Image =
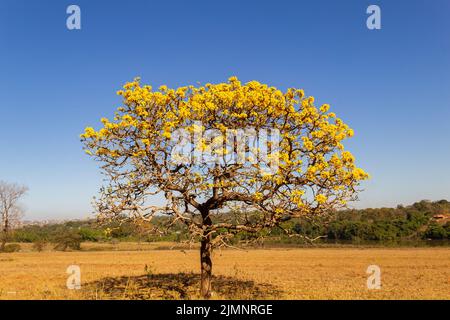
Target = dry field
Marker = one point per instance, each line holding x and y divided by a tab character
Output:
153	271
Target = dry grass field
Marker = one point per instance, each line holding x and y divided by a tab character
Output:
153	271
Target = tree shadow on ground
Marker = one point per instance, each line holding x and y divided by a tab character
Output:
177	286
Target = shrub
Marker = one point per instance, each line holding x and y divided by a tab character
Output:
436	231
24	236
13	247
70	240
39	245
88	234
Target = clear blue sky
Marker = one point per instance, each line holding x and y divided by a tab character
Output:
391	85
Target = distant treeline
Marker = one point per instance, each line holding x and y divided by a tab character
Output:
421	221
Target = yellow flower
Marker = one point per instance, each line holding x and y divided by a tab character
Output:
350	133
89	132
297	192
325	174
321	198
324	108
347	157
307	143
359	174
127	118
258	196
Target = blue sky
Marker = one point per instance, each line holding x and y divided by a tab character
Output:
391	85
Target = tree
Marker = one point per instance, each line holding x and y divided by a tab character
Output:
228	158
10	194
69	239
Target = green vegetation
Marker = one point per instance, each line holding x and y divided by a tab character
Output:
70	232
411	223
415	222
70	239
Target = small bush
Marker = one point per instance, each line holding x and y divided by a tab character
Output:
13	247
69	240
39	245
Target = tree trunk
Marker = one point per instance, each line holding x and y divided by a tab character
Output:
4	234
206	263
205	258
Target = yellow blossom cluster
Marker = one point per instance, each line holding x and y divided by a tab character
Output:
311	153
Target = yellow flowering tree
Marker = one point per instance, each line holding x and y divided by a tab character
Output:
310	172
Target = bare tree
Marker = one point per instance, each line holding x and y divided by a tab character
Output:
11	212
306	174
